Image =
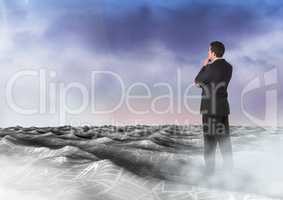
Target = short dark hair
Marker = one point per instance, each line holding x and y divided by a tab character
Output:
218	48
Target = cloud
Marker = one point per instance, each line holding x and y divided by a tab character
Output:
141	41
185	29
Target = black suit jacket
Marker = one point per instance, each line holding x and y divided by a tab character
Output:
214	79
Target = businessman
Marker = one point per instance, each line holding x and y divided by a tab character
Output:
214	78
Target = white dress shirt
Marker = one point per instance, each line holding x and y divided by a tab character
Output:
217	58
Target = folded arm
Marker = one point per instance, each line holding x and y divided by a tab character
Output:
203	77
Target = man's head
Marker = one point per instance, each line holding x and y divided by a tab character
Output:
216	50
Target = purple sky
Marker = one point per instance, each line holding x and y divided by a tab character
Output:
140	41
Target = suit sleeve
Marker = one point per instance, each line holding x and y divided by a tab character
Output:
204	76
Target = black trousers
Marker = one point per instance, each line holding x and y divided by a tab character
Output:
216	130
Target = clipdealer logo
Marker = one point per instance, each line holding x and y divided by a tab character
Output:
269	84
53	95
